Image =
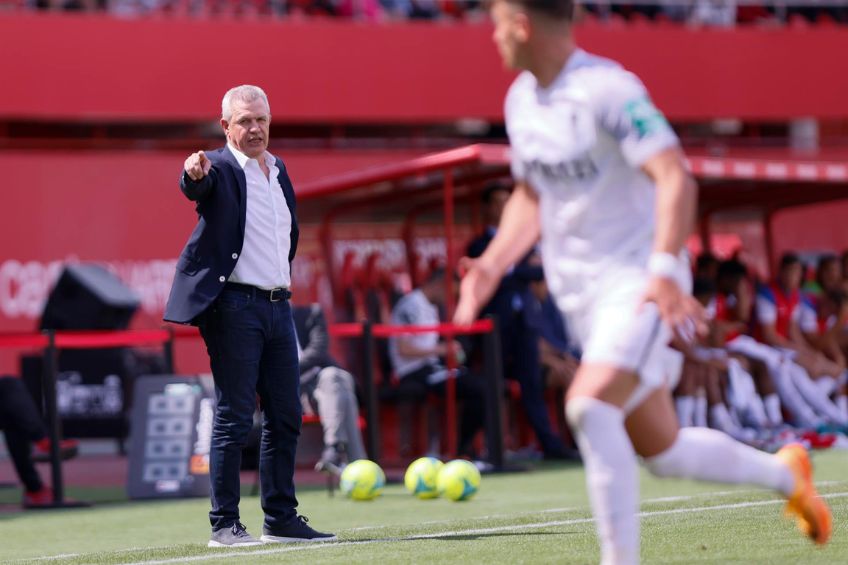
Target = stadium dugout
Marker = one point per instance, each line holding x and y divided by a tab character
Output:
440	188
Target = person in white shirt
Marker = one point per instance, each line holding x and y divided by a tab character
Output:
602	183
417	359
233	281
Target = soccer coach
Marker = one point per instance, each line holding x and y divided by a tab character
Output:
232	281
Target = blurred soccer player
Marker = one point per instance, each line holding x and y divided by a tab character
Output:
601	179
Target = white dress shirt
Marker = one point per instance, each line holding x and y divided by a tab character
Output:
264	258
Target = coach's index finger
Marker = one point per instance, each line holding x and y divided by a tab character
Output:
205	163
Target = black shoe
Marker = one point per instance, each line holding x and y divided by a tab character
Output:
233	536
296	530
562	454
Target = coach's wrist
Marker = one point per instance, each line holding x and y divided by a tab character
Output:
664	265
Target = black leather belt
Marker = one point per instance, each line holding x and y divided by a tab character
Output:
273	295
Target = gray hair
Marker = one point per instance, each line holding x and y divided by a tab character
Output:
244	93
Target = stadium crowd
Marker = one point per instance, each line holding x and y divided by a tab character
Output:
720	13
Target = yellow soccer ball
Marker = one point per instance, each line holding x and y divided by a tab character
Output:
422	476
458	480
362	480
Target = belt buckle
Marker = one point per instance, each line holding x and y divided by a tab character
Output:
278	298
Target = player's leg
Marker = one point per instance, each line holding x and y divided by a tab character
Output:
332	404
594	411
711	455
766	390
684	395
719	417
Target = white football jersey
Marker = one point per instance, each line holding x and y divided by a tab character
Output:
580	143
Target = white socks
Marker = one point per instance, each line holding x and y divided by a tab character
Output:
700	416
611	476
721	420
710	455
815	396
842	404
685	407
790	396
773	409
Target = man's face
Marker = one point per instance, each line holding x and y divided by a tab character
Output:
790	276
831	275
496	205
511	32
248	127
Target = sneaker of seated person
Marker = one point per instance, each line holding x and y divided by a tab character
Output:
297	529
232	536
332	460
42	498
68	449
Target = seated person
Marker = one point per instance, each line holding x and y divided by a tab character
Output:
327	390
716	387
518	335
23	428
558	358
784	315
417	358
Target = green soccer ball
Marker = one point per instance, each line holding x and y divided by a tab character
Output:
458	480
362	480
422	476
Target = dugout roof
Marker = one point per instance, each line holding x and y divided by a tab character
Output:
766	179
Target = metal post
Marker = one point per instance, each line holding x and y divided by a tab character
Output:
168	351
493	367
450	304
54	424
372	416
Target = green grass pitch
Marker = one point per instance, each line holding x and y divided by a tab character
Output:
534	517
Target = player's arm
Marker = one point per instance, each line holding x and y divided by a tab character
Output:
198	178
517	233
676	202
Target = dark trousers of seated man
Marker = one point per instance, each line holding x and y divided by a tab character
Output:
22	425
469	389
253	351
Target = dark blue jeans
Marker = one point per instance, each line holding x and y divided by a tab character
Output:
520	344
252	350
22	425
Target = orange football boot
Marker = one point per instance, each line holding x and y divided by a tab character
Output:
811	512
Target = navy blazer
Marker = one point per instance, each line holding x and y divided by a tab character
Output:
209	257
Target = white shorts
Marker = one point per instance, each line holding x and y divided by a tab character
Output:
614	327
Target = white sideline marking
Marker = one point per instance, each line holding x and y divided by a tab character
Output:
487	517
454	533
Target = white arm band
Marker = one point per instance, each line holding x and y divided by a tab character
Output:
664	265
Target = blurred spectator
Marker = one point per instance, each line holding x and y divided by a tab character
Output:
71	5
716	13
367	10
558	358
24	430
706	266
417	358
519	337
327	390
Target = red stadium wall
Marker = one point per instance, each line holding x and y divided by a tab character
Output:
97	68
